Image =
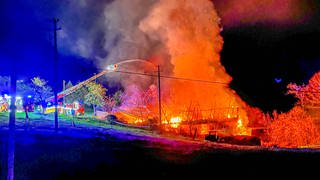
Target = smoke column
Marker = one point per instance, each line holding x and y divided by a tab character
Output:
190	31
182	36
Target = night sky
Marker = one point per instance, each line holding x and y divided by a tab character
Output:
262	53
264	56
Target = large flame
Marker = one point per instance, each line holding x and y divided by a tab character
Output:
191	32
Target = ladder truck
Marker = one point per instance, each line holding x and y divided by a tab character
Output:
62	94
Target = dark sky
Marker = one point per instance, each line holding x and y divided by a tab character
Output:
264	56
26	40
260	45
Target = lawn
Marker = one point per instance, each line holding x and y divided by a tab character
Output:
43	121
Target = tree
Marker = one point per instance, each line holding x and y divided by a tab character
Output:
292	129
109	104
256	117
118	98
41	90
96	95
308	95
137	97
77	95
69	98
113	101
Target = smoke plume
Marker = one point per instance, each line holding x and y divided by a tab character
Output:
191	32
181	36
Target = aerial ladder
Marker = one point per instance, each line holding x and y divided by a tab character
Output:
110	68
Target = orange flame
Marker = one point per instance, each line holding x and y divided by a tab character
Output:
191	31
241	129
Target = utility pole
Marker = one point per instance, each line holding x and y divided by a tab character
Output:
64	88
13	87
56	77
159	95
12	120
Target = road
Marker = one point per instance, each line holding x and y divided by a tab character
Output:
93	152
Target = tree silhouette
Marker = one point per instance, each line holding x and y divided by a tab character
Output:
308	95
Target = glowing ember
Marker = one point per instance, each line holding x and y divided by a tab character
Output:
241	129
175	122
239	124
138	121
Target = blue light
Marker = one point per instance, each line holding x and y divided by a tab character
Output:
278	80
29	96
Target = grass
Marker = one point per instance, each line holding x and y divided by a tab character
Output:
87	122
47	121
22	115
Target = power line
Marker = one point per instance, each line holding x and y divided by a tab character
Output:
172	77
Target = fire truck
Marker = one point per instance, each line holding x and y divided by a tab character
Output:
75	108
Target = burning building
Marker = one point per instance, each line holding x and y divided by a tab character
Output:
195	93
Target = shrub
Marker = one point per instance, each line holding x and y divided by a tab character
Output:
292	129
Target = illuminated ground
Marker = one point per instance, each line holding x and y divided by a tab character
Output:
88	151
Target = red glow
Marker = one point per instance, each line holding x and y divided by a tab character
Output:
246	12
191	33
293	129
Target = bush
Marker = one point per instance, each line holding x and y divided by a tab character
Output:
292	129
